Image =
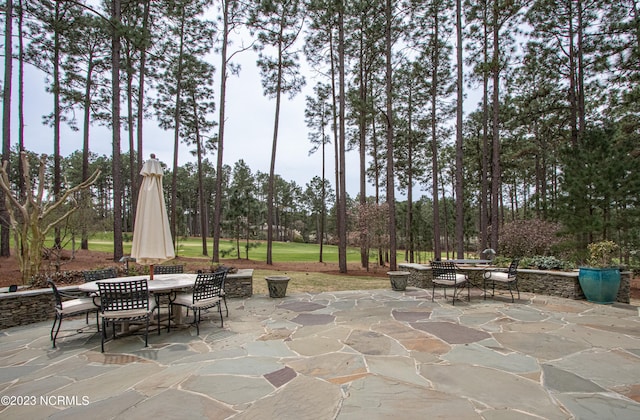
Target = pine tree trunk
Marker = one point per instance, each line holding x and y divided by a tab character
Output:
342	208
459	187
495	173
115	126
6	123
391	201
217	208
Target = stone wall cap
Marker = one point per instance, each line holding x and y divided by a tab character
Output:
415	266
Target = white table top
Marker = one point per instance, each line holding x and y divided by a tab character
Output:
160	282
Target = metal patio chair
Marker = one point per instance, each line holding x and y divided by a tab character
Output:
446	275
508	278
105	273
206	294
168	269
73	305
125	302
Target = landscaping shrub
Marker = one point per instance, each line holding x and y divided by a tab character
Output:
527	238
501	261
543	262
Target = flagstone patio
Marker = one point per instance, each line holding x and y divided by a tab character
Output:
355	354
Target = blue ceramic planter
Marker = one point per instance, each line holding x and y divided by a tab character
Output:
600	285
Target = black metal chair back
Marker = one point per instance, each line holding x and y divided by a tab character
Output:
93	275
168	269
208	285
444	270
123	295
513	267
56	294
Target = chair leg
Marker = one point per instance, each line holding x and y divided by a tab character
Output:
146	331
55	321
485	284
196	317
433	292
157	298
220	311
224	298
104	334
54	336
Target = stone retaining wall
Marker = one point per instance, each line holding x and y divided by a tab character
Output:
240	284
21	308
545	282
29	306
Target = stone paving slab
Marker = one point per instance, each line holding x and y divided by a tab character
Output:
377	354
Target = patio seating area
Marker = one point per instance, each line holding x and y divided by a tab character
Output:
371	354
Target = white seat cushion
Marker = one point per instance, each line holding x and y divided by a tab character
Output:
77	305
186	299
206	303
460	278
499	276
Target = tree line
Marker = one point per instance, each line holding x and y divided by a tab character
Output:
553	137
300	210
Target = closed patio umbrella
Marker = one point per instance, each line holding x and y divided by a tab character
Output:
152	242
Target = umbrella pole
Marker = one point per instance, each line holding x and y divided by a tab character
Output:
151	272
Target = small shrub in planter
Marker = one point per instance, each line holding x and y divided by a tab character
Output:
601	254
600	281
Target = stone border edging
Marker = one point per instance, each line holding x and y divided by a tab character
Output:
546	282
36	305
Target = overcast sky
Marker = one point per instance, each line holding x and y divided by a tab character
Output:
248	131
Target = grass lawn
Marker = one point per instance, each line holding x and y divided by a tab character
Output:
281	251
306	281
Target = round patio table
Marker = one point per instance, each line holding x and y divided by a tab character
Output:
161	284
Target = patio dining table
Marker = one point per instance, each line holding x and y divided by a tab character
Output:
161	284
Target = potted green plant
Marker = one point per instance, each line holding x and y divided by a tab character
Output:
600	280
